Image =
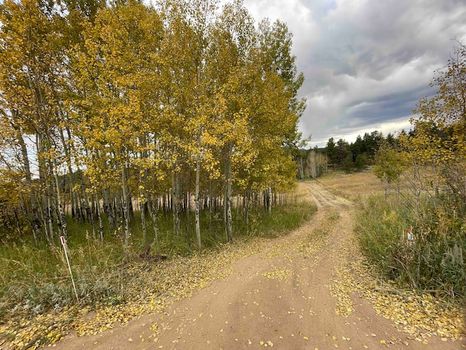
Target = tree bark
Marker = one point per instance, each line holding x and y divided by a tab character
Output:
124	187
175	204
61	212
227	199
142	208
269	200
246	210
99	216
153	214
197	202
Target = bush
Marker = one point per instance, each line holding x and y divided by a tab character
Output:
361	161
434	260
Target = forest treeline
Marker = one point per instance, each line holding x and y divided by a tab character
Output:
359	154
108	108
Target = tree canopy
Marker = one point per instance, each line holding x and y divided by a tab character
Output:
104	104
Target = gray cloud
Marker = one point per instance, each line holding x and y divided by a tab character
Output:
366	63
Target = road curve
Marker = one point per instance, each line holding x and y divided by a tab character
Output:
277	298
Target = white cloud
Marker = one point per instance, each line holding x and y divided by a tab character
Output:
366	63
298	16
392	127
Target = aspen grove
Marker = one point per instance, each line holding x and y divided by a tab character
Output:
112	109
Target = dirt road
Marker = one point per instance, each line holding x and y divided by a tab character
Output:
280	297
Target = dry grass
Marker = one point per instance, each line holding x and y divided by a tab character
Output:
361	185
352	186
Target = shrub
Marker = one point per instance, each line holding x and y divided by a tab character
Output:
361	161
434	260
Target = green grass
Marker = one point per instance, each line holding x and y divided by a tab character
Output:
34	277
434	261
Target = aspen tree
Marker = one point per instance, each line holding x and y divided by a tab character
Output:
124	40
128	103
31	70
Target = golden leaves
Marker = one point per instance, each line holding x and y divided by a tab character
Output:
277	274
342	289
420	315
156	289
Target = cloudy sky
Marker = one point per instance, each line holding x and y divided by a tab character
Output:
366	62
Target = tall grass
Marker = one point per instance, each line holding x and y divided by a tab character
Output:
34	277
434	260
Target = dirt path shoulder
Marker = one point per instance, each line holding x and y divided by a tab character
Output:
293	294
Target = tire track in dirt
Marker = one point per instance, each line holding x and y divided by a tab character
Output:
279	297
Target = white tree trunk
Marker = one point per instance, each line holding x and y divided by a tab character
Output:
197	203
124	187
227	204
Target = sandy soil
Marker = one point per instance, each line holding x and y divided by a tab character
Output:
277	298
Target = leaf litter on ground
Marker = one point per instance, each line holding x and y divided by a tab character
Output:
420	315
157	287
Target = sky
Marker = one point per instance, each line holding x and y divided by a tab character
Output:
366	63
